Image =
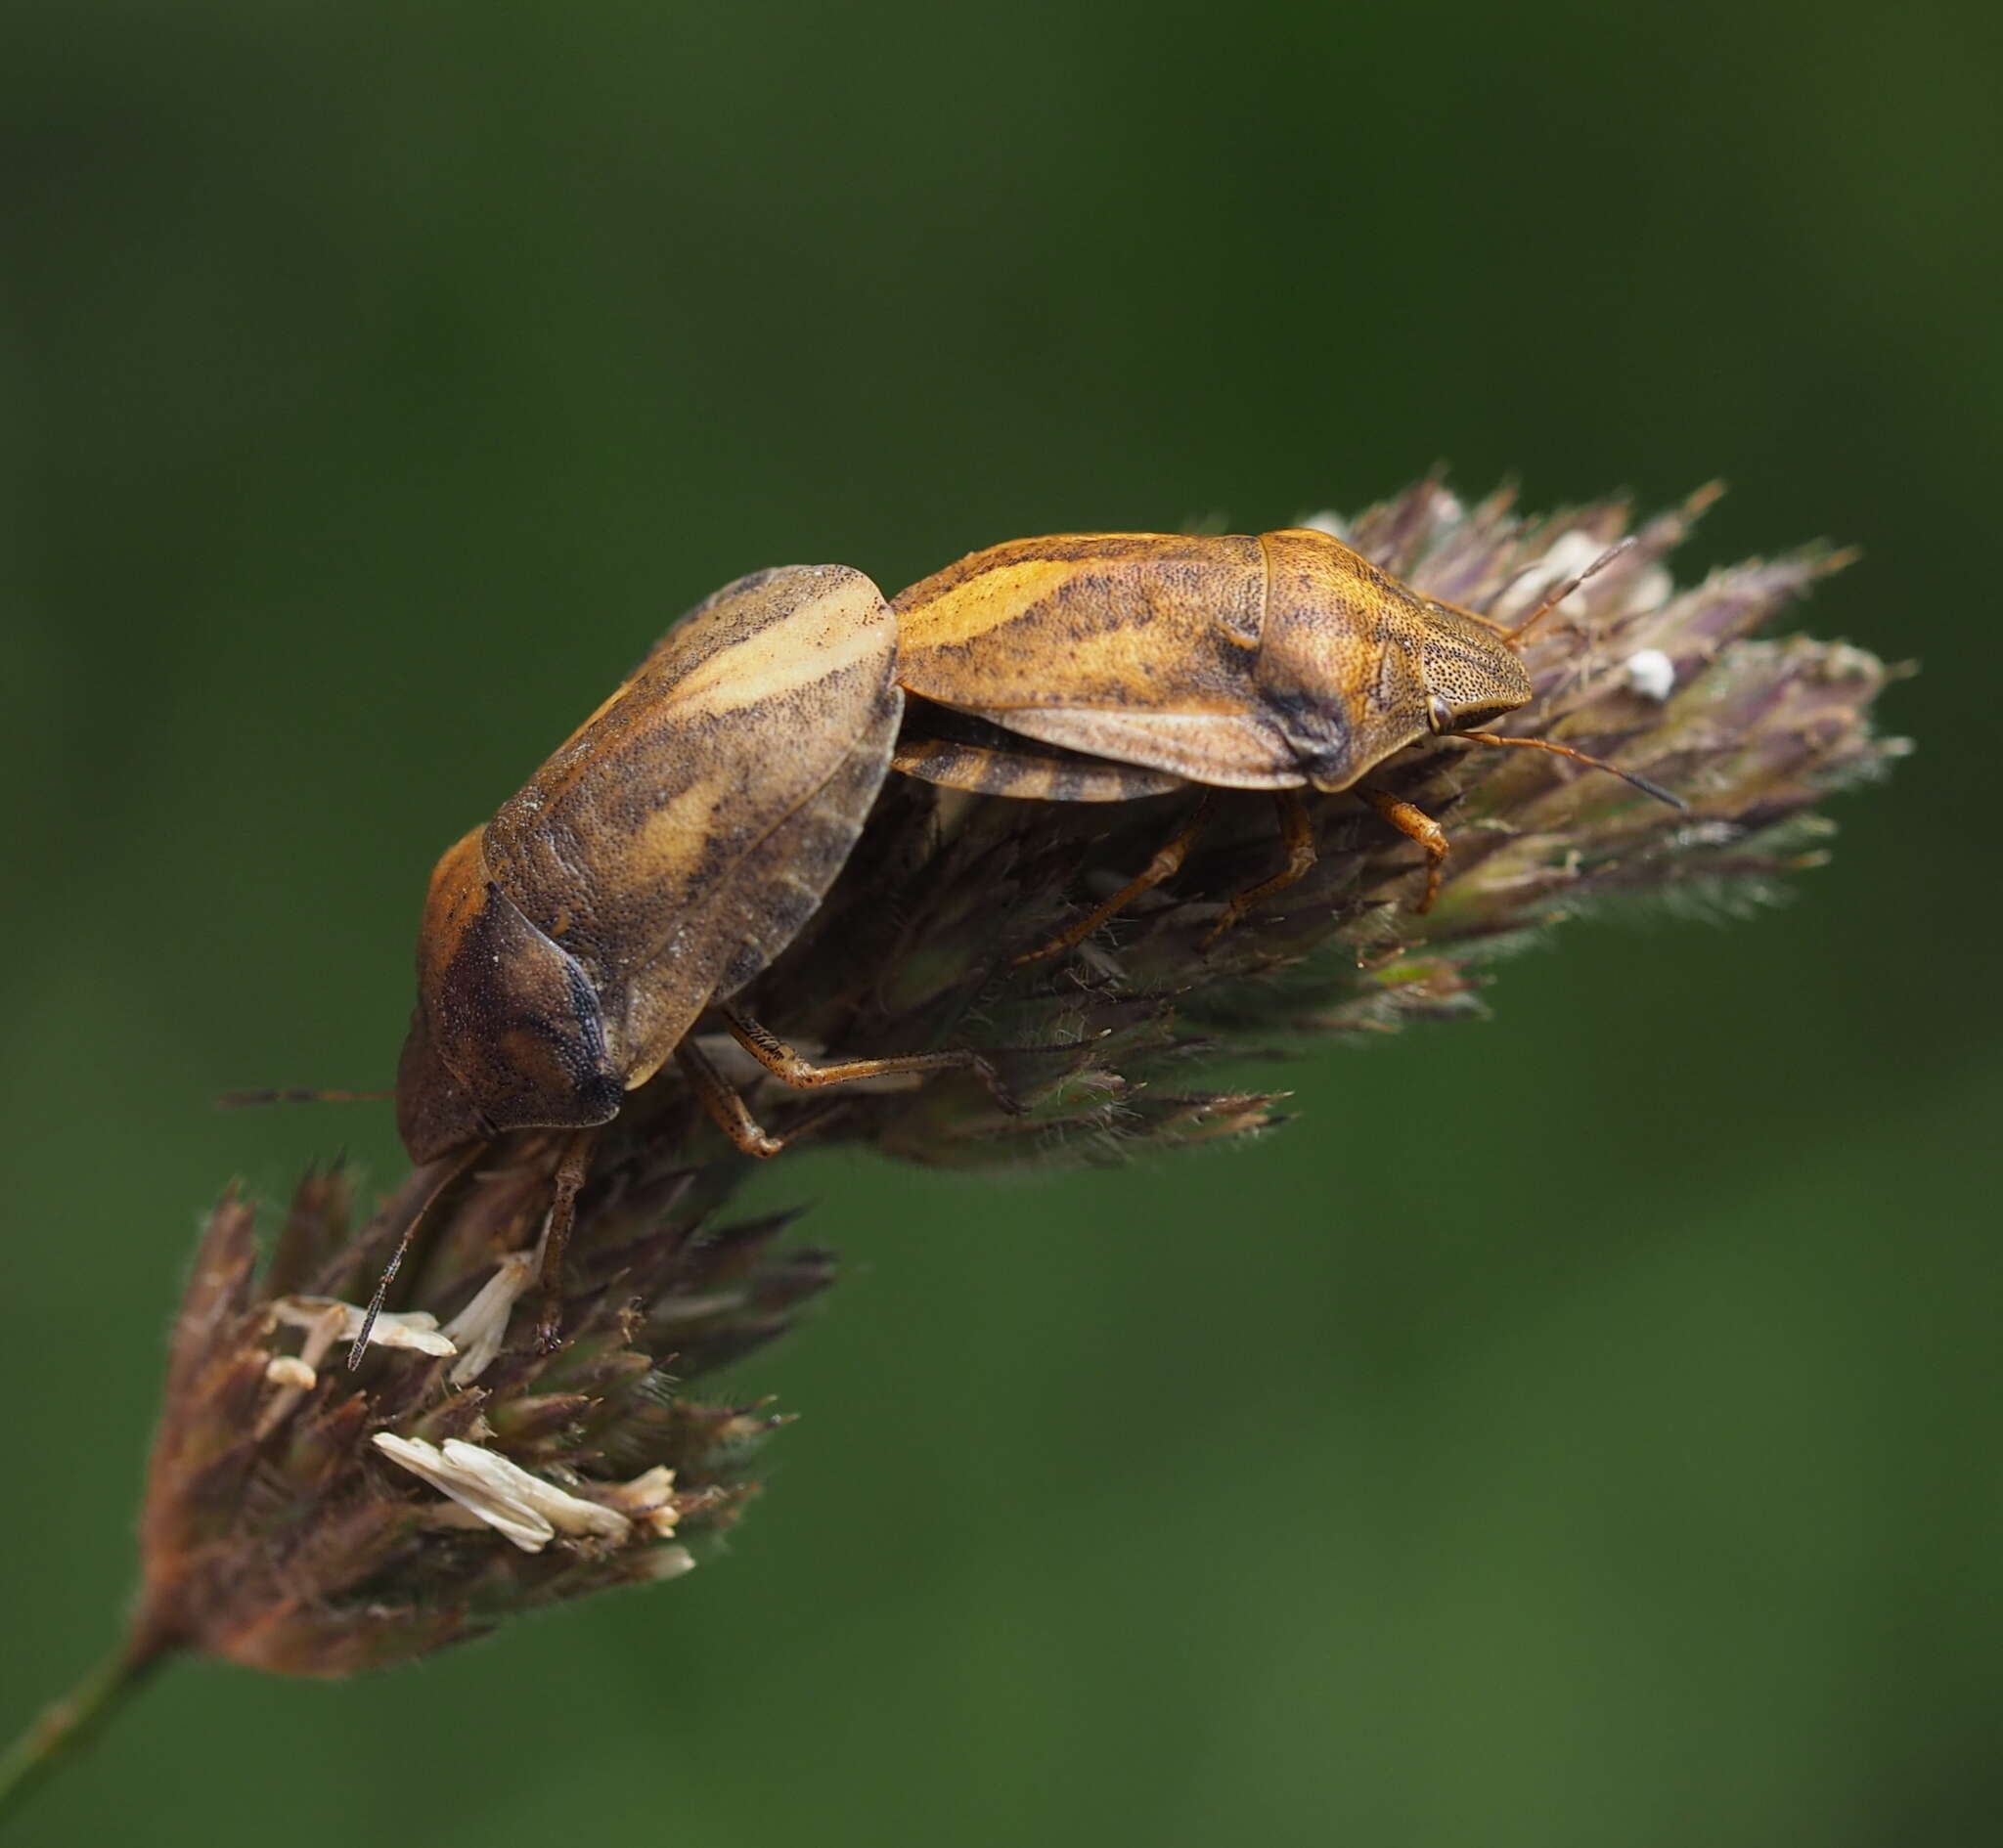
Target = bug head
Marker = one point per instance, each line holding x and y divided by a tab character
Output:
507	1032
1473	678
1510	635
1470	675
1473	673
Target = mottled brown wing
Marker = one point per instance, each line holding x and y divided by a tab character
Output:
680	837
754	914
1136	646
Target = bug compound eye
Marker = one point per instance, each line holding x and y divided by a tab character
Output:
1439	715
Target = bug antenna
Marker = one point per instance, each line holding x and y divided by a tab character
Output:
1553	599
245	1100
360	1344
1641	783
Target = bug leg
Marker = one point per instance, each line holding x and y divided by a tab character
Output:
1297	831
571	1168
727	1110
1167	857
790	1068
1413	821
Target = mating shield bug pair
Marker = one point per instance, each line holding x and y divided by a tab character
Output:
681	838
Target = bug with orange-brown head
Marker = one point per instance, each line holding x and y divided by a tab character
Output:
1280	661
651	869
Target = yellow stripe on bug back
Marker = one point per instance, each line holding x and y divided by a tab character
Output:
844	628
1123	623
995	598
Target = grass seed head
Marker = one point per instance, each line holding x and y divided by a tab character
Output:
308	1521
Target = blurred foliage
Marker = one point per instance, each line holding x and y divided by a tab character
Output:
1576	1428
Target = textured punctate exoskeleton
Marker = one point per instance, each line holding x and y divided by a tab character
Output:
663	856
1281	661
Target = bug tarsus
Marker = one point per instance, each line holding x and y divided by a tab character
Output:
790	1067
718	1097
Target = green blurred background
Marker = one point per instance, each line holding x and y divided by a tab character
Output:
1579	1428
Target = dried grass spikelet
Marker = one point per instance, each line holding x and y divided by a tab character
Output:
309	1521
303	1520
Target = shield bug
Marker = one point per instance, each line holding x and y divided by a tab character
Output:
661	858
1282	661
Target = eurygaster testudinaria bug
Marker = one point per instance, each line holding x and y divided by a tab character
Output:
652	867
1280	661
